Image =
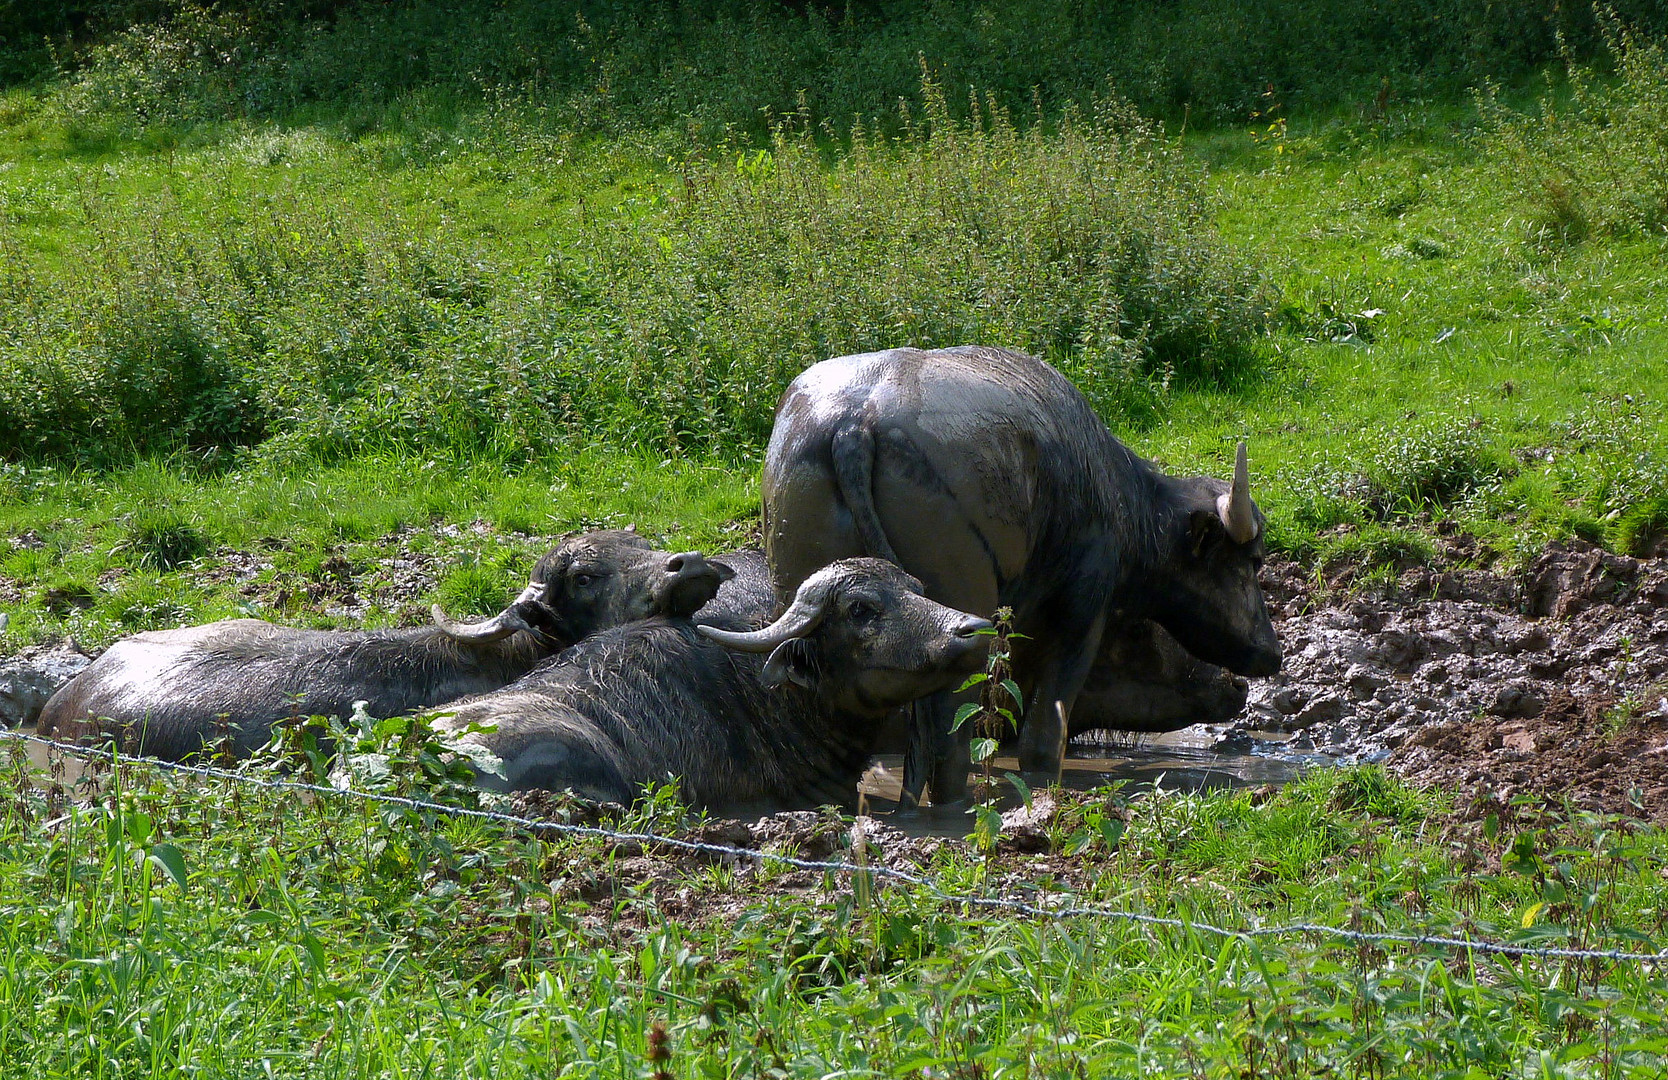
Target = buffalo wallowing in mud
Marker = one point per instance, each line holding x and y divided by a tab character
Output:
988	475
174	690
782	716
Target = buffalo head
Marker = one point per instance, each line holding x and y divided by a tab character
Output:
596	580
1213	547
860	632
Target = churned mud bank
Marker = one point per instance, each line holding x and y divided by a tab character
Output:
1550	682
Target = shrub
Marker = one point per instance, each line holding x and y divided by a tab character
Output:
670	322
723	61
162	540
1599	161
1090	246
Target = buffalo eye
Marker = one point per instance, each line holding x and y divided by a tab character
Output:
862	611
583	580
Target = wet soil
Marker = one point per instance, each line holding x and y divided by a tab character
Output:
1550	683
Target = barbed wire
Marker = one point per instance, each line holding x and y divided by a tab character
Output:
856	869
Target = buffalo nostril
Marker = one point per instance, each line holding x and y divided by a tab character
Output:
971	626
686	564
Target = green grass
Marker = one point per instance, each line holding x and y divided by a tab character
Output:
101	554
168	927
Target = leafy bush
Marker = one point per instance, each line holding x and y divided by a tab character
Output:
162	540
671	321
723	62
1599	162
1091	247
1426	470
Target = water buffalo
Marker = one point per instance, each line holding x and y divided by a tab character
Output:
986	473
172	687
1141	680
781	716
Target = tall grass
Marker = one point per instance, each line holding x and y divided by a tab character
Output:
670	320
664	61
1598	161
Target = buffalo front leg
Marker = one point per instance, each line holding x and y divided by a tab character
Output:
1042	737
934	754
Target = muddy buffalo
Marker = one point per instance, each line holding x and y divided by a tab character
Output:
781	716
987	474
175	689
1141	680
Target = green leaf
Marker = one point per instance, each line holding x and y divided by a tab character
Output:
172	862
260	917
1020	786
315	950
139	826
1530	912
973	680
1078	842
1112	830
1013	691
982	749
963	714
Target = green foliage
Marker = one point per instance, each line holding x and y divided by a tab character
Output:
652	64
475	589
670	320
163	540
150	922
1090	246
1597	160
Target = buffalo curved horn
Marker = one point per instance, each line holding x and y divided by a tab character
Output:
1234	508
800	619
497	628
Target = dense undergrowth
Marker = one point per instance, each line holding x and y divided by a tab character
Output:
162	925
223	307
141	62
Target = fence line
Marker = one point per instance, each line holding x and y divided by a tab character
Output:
854	869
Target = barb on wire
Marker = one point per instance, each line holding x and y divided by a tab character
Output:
995	903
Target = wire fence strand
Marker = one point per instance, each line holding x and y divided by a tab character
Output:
855	869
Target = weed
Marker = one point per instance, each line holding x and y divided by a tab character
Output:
162	540
1596	159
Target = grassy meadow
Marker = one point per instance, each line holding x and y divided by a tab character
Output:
293	330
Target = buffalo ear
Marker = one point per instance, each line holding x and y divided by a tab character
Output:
1202	527
792	661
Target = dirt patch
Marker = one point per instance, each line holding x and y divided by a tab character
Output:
1023	856
1551	682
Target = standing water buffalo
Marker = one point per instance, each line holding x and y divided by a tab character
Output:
1141	679
987	474
666	697
172	687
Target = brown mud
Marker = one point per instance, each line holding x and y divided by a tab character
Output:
1545	684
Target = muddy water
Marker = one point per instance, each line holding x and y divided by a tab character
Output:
1178	761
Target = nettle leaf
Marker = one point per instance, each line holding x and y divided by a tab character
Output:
172	862
963	714
1020	786
1013	691
982	749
